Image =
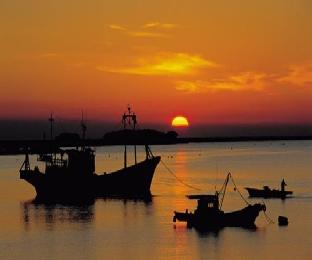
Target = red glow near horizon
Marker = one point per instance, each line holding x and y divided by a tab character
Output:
214	73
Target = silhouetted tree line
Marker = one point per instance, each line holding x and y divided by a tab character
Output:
144	136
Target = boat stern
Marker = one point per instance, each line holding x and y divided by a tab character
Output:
181	216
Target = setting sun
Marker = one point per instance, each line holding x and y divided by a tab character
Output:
179	121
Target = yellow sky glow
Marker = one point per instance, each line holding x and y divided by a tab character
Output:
165	64
216	61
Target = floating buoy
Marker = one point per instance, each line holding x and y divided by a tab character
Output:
282	221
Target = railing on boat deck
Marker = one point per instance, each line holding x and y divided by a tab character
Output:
57	162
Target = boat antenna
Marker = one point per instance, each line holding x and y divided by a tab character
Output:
83	129
51	120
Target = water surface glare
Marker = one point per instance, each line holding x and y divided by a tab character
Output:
135	229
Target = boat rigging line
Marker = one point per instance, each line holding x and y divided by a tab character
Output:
178	179
268	219
223	189
236	189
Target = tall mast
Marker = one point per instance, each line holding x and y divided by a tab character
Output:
129	119
124	121
223	189
134	121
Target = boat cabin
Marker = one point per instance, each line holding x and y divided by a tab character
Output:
78	162
205	202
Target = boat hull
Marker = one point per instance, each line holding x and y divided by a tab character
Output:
217	219
133	181
263	193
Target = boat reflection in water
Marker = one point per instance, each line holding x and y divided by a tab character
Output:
37	212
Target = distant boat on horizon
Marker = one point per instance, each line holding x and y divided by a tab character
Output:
73	177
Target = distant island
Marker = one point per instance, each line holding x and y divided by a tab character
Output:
123	137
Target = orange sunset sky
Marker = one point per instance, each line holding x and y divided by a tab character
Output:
216	62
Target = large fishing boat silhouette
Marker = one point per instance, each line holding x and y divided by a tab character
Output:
70	174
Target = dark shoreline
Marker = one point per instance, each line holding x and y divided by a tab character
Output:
14	147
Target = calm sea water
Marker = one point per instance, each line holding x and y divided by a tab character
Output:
128	229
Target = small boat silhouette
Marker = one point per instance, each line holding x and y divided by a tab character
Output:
267	192
209	215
